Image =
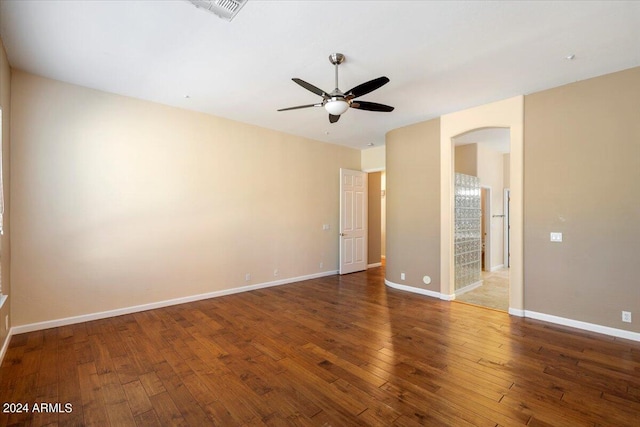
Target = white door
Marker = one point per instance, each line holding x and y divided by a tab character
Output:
353	221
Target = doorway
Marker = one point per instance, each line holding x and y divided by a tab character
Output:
377	218
507	114
482	153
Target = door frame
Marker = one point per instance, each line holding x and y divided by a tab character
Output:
508	113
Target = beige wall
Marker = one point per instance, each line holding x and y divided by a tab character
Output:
582	178
373	159
119	202
466	159
375	218
5	250
490	173
413	205
507	172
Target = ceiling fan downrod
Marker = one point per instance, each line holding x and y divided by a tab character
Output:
336	59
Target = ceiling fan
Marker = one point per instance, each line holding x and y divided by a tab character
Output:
338	102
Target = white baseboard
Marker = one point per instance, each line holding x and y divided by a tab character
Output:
469	288
144	307
420	291
516	312
592	327
5	345
497	267
375	264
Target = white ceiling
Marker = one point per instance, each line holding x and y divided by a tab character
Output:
441	57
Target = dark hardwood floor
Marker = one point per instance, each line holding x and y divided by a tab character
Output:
336	351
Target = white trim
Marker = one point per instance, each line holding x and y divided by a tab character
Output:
469	288
375	264
3	299
420	291
144	307
497	267
620	333
5	346
592	327
516	312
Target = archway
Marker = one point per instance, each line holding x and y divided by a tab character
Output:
508	113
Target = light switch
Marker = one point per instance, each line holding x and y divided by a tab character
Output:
325	226
556	237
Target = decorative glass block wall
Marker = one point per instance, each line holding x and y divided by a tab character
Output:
467	234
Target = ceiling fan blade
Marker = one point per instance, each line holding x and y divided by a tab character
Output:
371	106
310	87
300	106
367	87
333	118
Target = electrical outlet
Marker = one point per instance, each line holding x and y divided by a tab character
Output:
401	276
321	265
626	316
247	277
275	272
556	237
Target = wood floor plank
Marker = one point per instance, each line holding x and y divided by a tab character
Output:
116	400
190	410
166	410
93	405
148	419
333	351
139	402
69	380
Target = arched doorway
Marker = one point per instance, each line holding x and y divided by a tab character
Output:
501	114
481	217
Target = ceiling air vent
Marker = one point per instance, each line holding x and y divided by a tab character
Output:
225	9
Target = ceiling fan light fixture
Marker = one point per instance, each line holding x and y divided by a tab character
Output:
336	106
